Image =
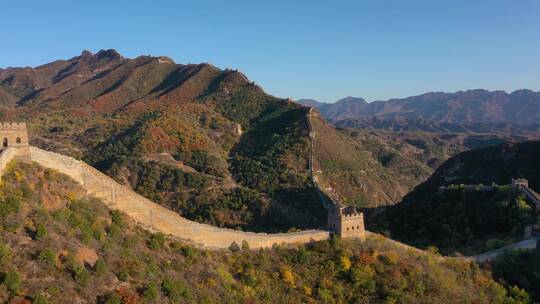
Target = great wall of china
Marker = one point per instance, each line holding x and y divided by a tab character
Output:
147	213
156	218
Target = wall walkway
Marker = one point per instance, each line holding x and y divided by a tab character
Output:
531	195
156	218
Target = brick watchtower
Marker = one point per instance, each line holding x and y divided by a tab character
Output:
15	135
518	183
346	222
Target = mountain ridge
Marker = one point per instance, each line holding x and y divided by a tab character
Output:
232	155
471	106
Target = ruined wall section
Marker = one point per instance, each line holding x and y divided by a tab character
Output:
156	217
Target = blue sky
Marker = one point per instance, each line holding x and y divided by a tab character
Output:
301	49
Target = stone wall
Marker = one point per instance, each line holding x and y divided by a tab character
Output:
13	134
352	226
157	218
6	156
345	226
531	196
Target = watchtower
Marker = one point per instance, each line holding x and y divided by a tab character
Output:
346	222
13	135
517	183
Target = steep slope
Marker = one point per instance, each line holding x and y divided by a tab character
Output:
463	218
497	164
520	269
58	246
351	171
205	142
7	99
463	221
359	164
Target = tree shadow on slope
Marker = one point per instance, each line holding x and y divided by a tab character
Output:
272	158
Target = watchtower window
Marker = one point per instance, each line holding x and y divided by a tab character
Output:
5	142
18	140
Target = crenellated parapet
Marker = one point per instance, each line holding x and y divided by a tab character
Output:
13	134
346	222
13	126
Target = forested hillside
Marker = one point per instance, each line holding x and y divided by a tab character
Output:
468	219
205	142
59	246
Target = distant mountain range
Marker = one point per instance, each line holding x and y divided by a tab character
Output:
472	110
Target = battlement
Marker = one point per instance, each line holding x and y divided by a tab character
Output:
353	215
346	222
519	182
13	134
13	126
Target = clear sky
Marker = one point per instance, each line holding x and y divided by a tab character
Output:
301	49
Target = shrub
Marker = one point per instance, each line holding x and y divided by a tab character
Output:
9	204
188	252
234	247
156	241
519	295
362	279
77	271
41	232
40	299
287	275
82	276
302	255
116	217
204	162
13	281
113	298
5	254
345	262
151	292
100	268
175	290
245	245
114	231
48	255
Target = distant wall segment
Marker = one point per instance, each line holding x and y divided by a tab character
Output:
150	215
